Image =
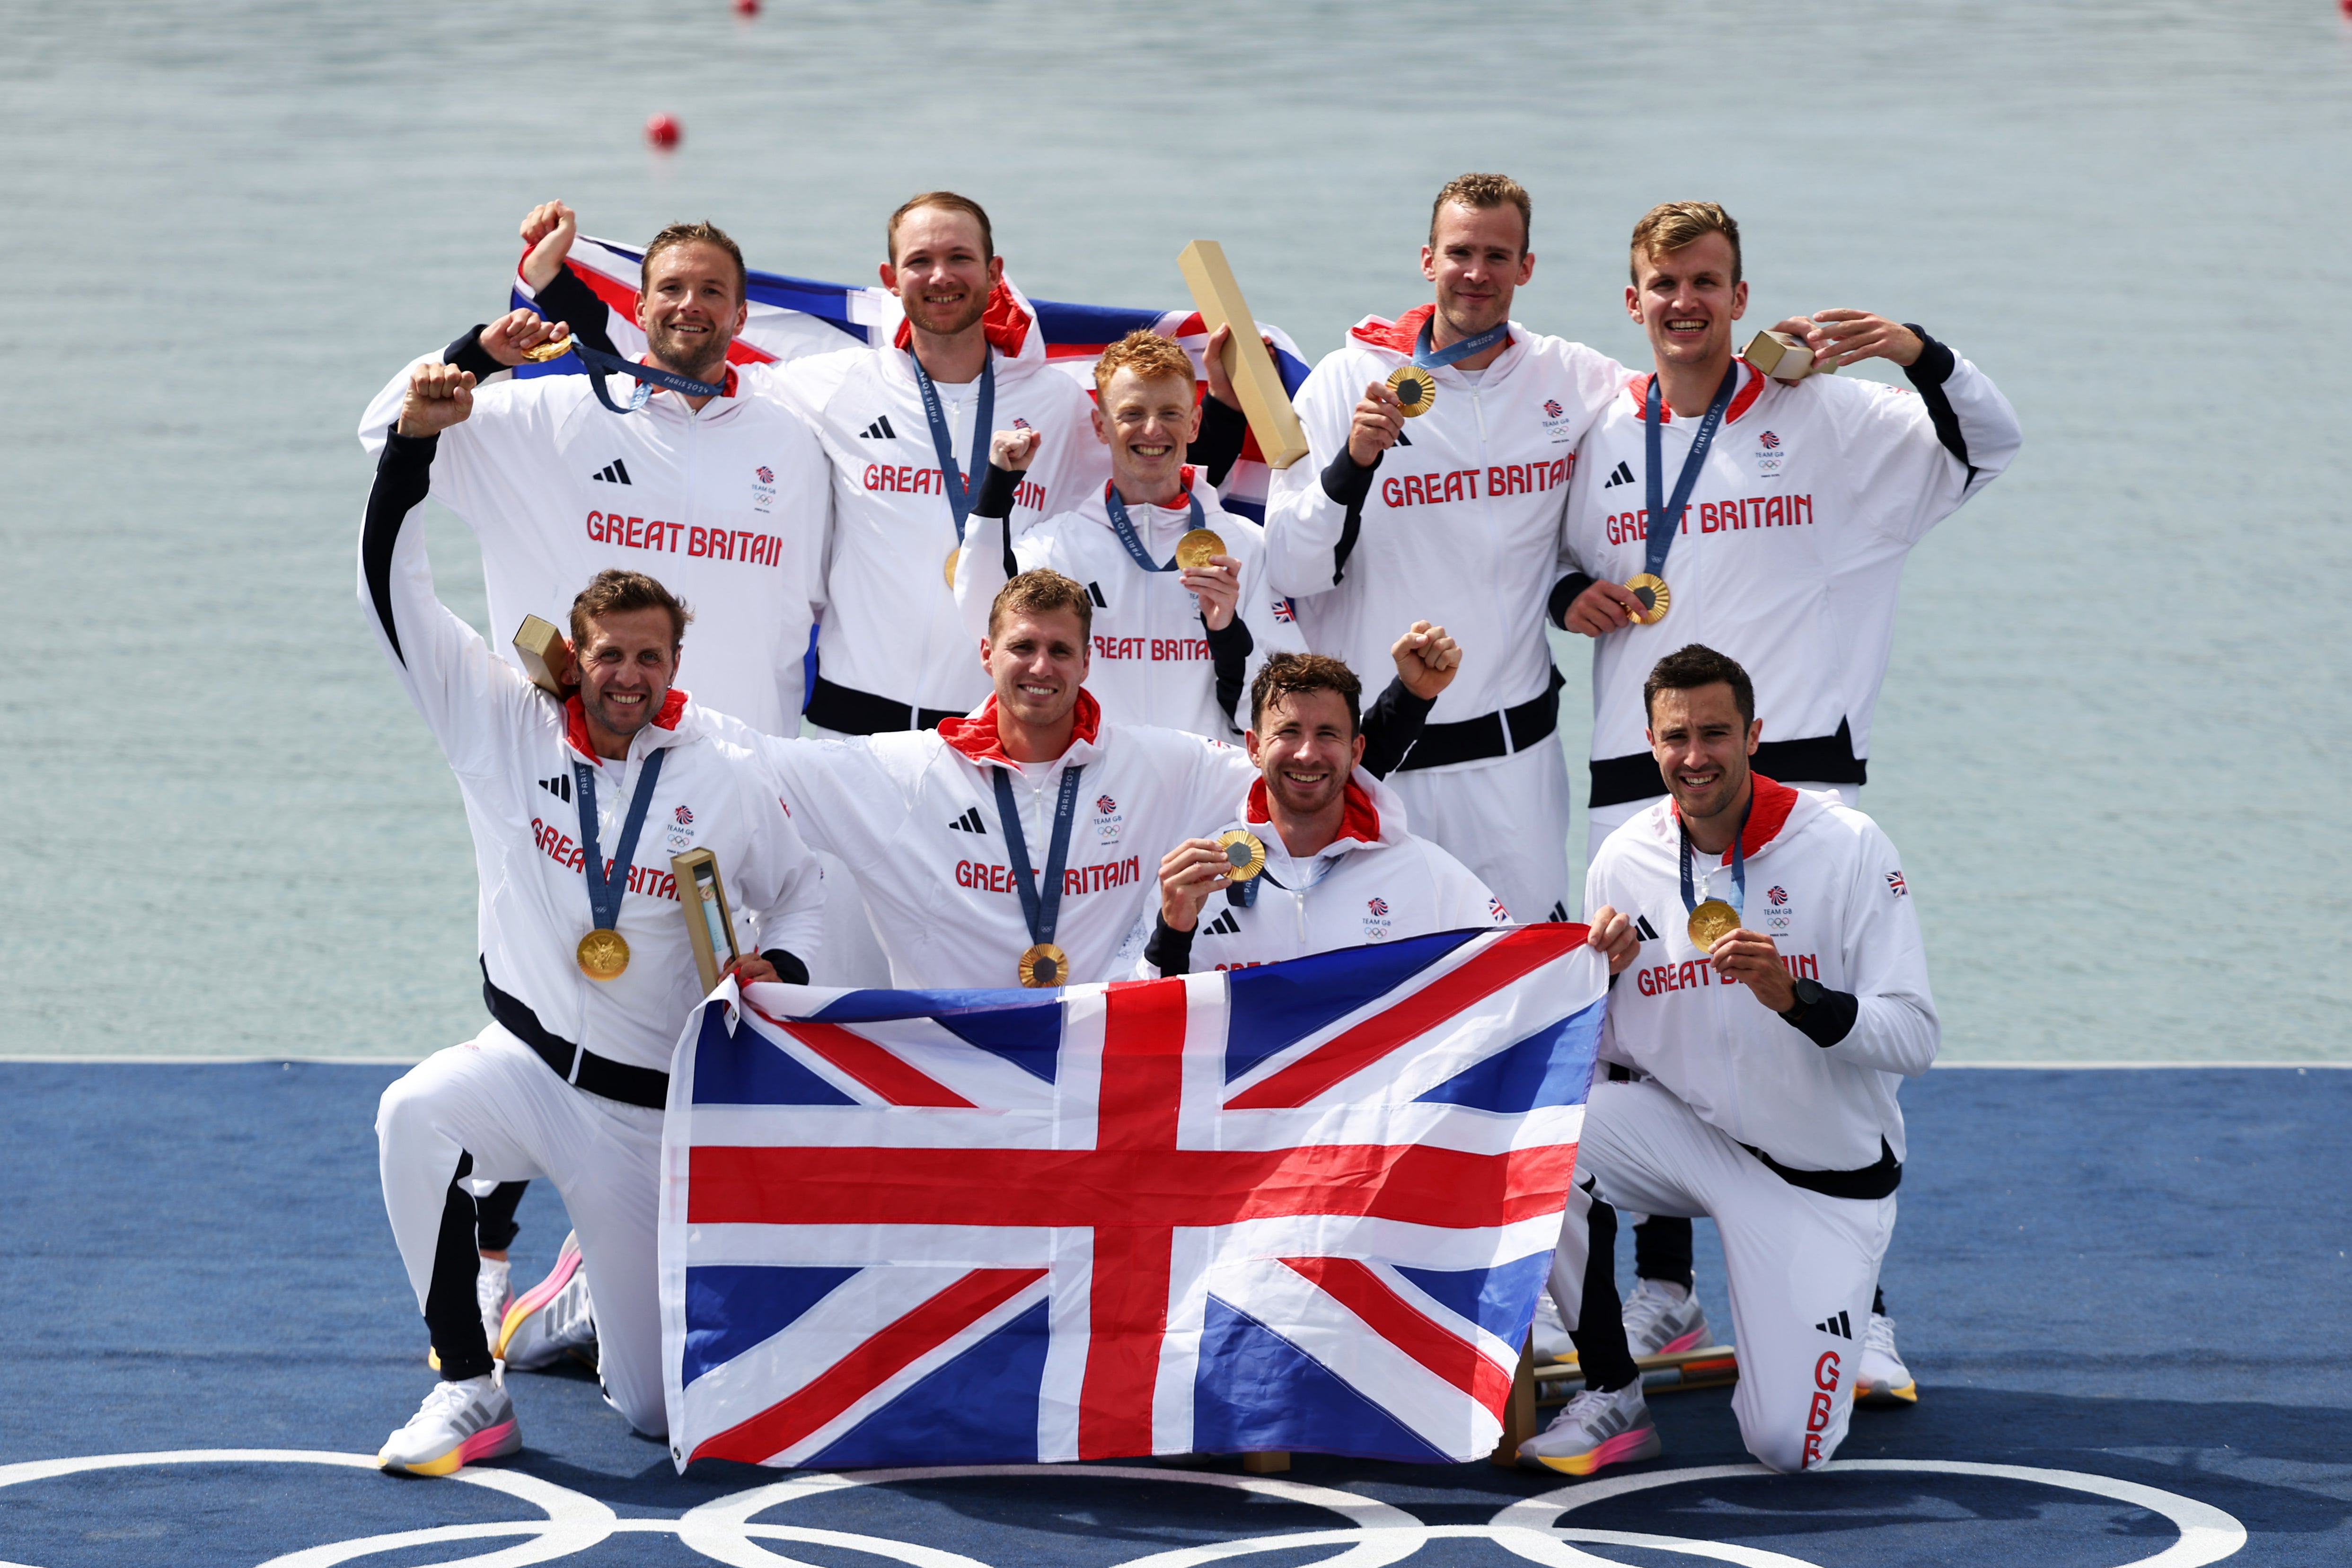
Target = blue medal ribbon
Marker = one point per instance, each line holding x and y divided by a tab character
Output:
1124	526
1041	911
601	364
1659	540
604	892
960	495
1430	358
1738	900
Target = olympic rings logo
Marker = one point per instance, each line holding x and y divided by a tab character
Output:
726	1530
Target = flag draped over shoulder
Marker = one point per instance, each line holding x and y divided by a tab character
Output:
789	317
1308	1205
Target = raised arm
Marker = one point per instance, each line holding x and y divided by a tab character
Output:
456	683
1315	508
987	561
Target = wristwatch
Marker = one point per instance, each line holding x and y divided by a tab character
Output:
1808	993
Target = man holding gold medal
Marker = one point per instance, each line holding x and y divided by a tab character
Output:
1440	449
1182	615
1773	997
1316	859
587	966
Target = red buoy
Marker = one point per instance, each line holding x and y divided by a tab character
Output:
661	130
752	7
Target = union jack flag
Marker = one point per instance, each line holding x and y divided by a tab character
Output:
789	317
1308	1205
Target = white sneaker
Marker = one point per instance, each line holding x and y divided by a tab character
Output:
1552	1343
1596	1429
1880	1377
551	1318
1661	1319
494	1295
457	1424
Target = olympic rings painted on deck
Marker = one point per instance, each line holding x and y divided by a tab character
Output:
726	1530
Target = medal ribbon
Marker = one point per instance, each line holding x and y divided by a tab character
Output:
1738	900
1661	539
604	892
1042	912
1124	526
601	364
1430	358
960	495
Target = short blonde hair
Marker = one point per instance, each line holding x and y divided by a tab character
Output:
1041	591
1485	191
1670	225
947	201
1147	354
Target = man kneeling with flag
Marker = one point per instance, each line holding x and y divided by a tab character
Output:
1772	1111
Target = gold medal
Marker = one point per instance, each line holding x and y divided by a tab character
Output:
1415	388
602	953
554	349
1656	600
953	557
1710	921
1193	551
1244	854
1045	966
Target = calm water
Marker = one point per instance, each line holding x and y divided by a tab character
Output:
2114	733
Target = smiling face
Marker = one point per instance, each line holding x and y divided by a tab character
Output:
942	272
690	308
624	666
1305	746
1702	745
1038	661
1478	257
1146	422
1686	300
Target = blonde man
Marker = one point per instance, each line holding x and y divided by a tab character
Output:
1174	644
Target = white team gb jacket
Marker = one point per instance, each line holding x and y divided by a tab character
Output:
1825	885
1462	522
726	508
1150	658
914	815
1374	883
512	747
1789	551
892	629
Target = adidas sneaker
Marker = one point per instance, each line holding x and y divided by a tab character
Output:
1661	1319
1596	1429
1552	1343
457	1424
1880	1377
553	1317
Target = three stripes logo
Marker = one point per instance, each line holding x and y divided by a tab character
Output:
1094	591
1402	439
1841	1326
1645	929
615	472
1623	474
1224	925
560	786
878	431
969	822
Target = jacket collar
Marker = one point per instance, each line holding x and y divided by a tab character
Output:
1359	823
1403	336
663	731
1005	323
1187	477
976	737
1766	816
1638	389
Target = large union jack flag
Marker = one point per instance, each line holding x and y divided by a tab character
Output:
789	317
1302	1207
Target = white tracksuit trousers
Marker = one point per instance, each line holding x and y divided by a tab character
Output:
1799	1267
494	1099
